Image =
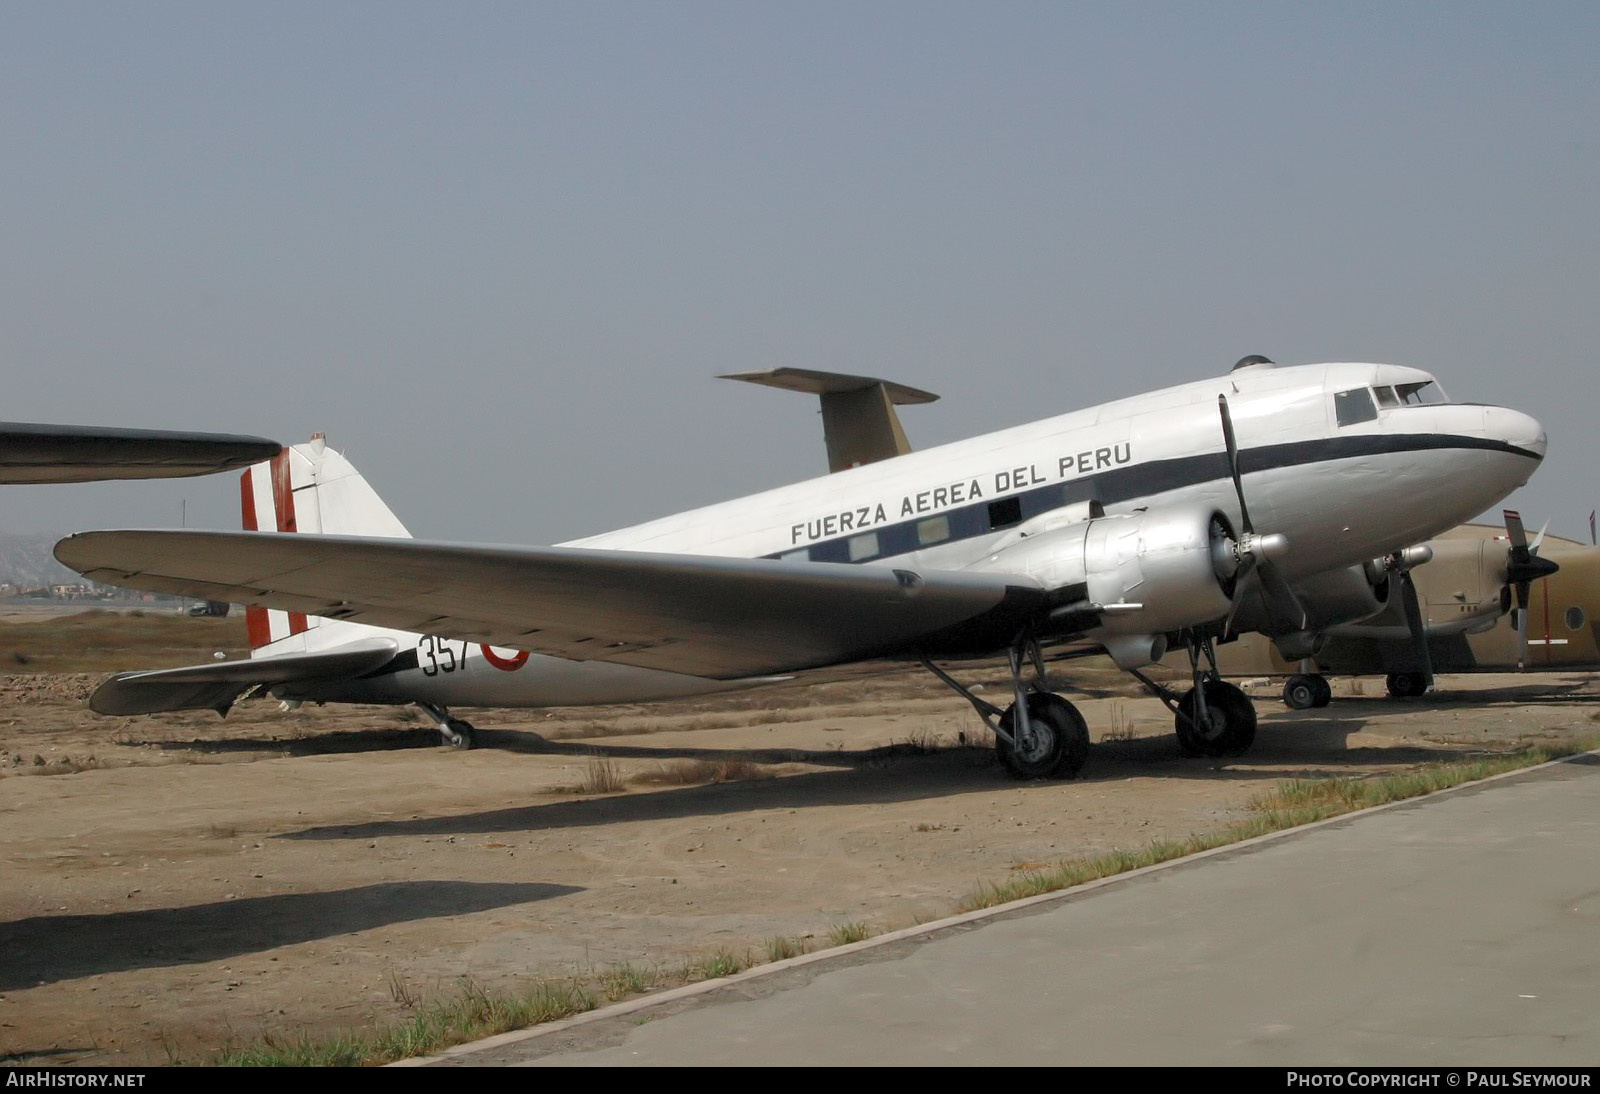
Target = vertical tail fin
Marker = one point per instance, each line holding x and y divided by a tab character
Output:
308	488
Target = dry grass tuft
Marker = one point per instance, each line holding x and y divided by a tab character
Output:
472	1014
602	776
718	964
621	981
1119	727
781	949
842	934
701	772
402	992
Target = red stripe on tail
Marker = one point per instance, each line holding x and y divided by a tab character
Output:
283	501
256	624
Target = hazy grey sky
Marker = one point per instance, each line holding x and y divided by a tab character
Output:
497	251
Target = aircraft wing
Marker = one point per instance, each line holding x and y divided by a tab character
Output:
708	616
73	453
216	686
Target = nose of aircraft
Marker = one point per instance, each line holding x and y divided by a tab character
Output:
1517	429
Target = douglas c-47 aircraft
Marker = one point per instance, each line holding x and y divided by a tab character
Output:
1276	499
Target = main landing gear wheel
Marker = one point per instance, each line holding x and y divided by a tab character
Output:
1307	690
1228	728
457	733
1057	745
1407	685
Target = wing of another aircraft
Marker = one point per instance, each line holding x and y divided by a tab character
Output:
717	617
216	686
79	453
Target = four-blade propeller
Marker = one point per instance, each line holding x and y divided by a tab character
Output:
1523	568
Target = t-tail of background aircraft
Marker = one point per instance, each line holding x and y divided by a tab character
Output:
312	489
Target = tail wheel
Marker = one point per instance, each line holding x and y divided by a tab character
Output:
1058	745
458	734
1229	727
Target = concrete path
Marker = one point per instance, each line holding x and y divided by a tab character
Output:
1459	929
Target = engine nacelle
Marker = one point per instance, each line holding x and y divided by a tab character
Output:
1145	573
1344	596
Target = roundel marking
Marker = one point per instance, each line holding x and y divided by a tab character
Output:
505	664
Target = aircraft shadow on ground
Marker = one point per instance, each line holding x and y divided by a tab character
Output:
1303	748
46	949
393	738
1530	694
387	739
526	742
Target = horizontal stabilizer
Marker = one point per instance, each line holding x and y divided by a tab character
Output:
723	618
811	382
217	686
80	453
859	425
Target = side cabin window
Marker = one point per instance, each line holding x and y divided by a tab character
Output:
1354	406
1005	512
933	530
863	547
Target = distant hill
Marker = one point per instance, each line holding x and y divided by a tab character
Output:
26	560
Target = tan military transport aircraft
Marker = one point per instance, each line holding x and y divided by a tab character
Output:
1469	597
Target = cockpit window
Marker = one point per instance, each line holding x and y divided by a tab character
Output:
1354	406
1386	397
1420	393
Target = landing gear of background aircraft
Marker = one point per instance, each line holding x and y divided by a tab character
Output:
1407	685
1040	735
458	733
1306	690
1226	727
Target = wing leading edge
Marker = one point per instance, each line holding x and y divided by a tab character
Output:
707	616
80	453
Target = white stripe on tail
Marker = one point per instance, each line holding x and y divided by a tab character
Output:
309	488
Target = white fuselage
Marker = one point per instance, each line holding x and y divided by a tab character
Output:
1344	478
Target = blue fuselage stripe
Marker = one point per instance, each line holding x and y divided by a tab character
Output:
1137	481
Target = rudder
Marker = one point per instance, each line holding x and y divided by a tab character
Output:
308	488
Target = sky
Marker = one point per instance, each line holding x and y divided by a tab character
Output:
498	252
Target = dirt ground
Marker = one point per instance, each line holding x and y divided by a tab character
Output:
172	884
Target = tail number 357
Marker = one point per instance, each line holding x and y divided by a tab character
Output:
437	655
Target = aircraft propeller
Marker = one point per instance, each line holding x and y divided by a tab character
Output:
1401	564
1523	568
1256	552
